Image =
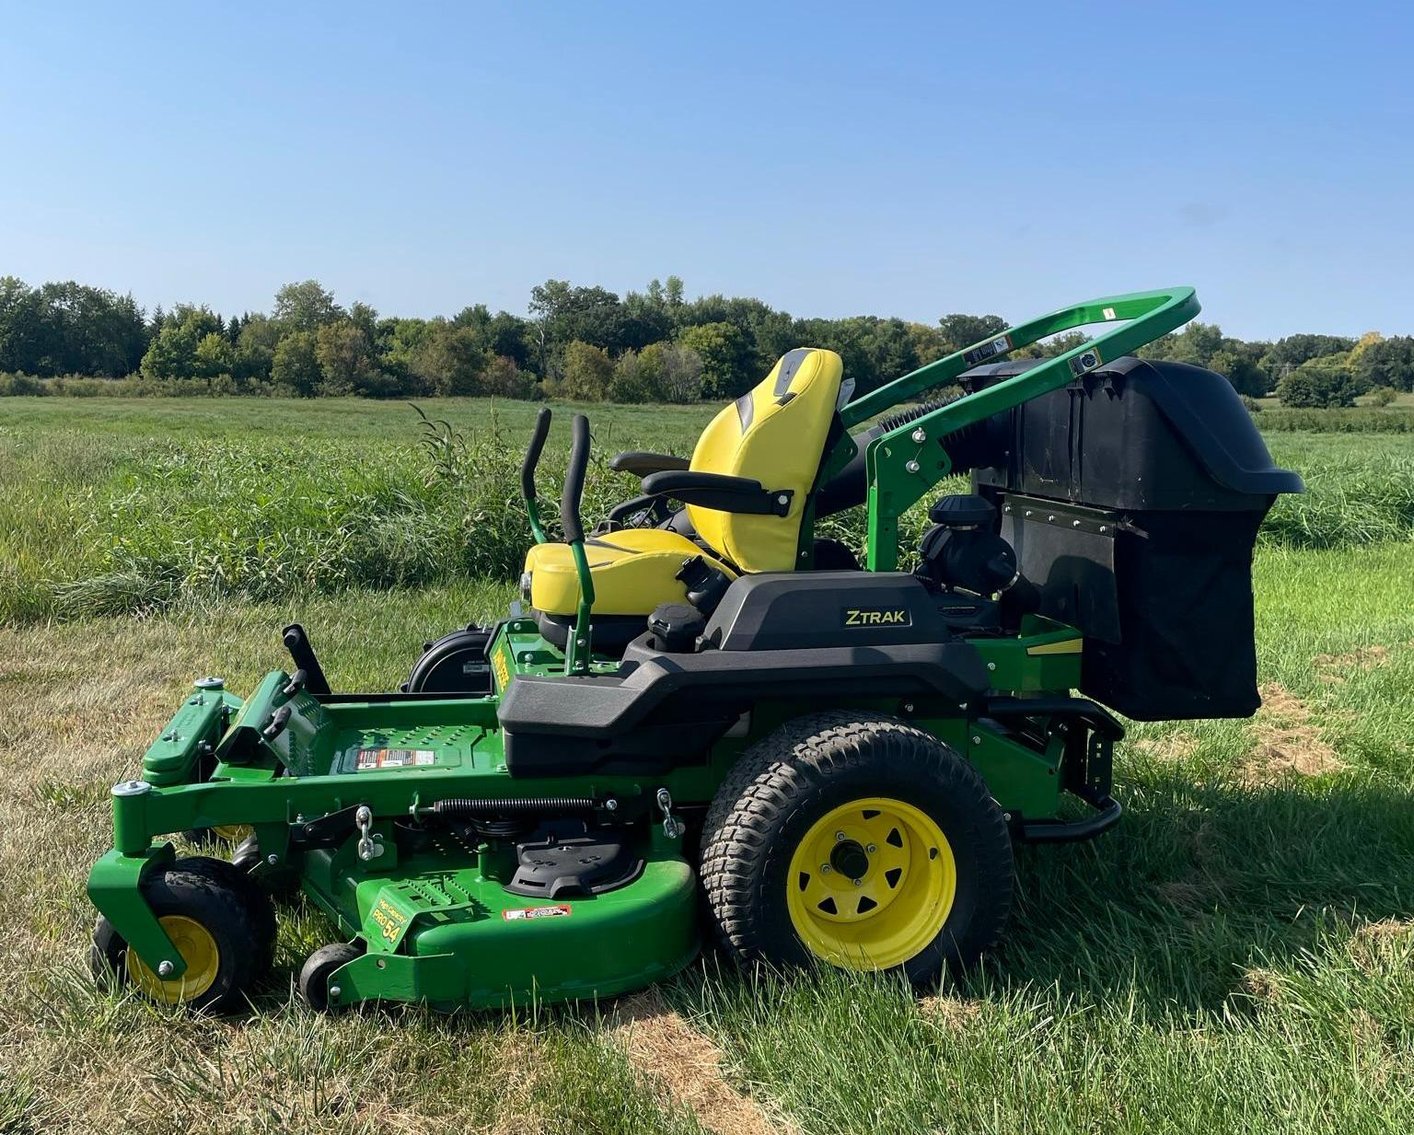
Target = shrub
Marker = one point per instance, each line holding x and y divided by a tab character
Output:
20	385
1318	384
1383	396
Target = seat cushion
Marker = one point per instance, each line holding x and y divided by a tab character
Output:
633	572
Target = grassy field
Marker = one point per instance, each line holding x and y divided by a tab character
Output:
1237	955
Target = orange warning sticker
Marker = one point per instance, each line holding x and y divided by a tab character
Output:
520	914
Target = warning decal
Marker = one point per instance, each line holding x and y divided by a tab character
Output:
393	758
520	914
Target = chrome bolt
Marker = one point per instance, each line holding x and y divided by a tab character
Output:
335	993
908	707
1104	528
991	665
1051	519
1006	816
912	466
839	837
825	868
859	882
920	435
976	740
873	847
1075	524
272	859
611	805
164	969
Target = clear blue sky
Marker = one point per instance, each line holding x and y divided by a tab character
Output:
904	159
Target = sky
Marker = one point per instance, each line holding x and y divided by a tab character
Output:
888	159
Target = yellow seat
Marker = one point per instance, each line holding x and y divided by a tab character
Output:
633	572
774	434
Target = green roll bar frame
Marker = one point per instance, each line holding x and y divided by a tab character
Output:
903	464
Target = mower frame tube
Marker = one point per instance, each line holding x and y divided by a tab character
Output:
905	463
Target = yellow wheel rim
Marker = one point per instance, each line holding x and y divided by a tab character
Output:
871	884
198	949
232	833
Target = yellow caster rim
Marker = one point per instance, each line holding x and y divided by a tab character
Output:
232	833
198	949
871	884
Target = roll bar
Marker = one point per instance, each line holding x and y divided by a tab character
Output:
904	463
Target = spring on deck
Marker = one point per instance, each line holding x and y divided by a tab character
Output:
466	808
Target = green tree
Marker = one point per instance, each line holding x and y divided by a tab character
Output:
587	372
451	360
214	356
961	331
295	368
1388	362
306	306
1318	383
173	352
347	364
504	379
255	350
727	358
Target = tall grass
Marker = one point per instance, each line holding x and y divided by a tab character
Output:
134	517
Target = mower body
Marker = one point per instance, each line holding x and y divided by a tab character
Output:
539	837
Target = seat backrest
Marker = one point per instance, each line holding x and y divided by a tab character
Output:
774	434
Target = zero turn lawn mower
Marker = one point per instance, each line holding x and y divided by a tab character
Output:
705	718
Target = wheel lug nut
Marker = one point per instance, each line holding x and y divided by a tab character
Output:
859	882
839	837
825	868
873	847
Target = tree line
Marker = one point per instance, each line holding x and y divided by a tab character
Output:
577	342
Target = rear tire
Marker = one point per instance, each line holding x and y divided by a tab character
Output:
455	664
864	842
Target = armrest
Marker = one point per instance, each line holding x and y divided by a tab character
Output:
641	464
718	491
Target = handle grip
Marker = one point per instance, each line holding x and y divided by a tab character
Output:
532	454
574	481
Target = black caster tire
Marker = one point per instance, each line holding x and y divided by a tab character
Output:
860	841
314	975
207	913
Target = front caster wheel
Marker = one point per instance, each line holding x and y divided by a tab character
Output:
215	918
863	842
314	977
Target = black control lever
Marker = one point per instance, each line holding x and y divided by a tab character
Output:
297	643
